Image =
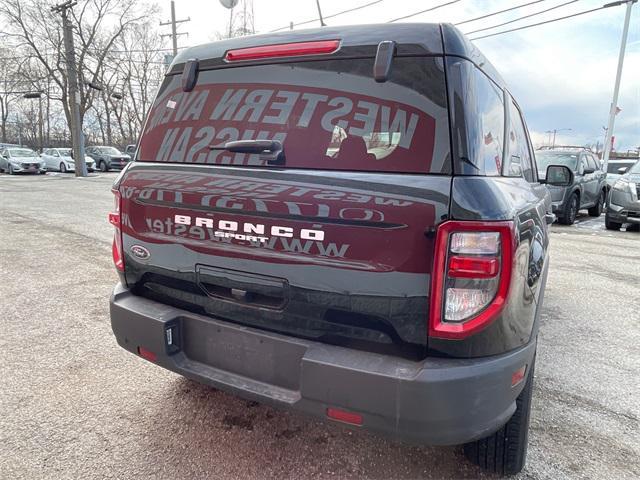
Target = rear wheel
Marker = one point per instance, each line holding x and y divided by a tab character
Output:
570	210
63	168
596	210
505	452
609	225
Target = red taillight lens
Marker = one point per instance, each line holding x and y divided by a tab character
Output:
116	220
321	47
473	267
472	272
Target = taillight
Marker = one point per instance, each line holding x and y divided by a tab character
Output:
471	275
116	220
297	49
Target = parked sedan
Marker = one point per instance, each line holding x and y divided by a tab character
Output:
60	159
587	190
108	158
623	204
21	160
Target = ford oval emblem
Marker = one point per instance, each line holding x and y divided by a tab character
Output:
140	252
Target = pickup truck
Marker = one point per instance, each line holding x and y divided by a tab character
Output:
346	222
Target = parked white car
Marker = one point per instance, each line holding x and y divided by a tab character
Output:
59	159
21	160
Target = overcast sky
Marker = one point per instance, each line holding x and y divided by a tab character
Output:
562	74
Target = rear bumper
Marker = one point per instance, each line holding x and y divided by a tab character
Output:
435	401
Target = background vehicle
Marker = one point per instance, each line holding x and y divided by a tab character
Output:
59	159
614	171
21	160
623	205
309	236
588	189
108	158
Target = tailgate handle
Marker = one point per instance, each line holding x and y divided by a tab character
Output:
248	288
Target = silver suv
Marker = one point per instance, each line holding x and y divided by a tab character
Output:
623	205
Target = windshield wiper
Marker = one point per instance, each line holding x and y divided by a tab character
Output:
270	150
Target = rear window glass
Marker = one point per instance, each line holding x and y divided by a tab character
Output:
612	167
328	115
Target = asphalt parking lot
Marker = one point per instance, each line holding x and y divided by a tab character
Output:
75	405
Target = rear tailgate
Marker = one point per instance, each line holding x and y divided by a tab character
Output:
336	244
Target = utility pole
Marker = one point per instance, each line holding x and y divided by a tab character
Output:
554	131
77	140
322	24
616	89
173	22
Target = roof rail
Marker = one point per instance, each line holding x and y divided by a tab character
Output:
566	147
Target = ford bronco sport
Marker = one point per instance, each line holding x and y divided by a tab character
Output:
344	221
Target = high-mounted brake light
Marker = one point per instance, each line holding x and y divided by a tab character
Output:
321	47
472	272
116	220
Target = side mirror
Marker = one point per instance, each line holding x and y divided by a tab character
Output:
589	170
559	176
622	170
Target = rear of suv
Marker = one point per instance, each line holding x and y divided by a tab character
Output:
343	221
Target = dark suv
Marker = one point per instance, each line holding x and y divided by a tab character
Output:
343	221
588	190
108	158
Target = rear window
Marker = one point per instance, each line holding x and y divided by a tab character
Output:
612	167
327	114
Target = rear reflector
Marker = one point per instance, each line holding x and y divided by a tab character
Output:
322	47
344	416
518	376
147	354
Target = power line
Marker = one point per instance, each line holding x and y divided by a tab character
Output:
329	16
542	23
498	13
521	18
423	11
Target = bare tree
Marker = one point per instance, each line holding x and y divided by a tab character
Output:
98	24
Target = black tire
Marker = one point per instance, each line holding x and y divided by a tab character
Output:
570	210
596	210
102	165
63	168
609	225
505	452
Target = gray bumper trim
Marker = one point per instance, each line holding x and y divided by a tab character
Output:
435	401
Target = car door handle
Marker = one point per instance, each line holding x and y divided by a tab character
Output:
549	218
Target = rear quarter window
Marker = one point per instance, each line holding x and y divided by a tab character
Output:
328	115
